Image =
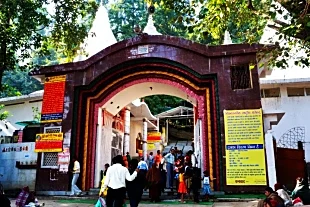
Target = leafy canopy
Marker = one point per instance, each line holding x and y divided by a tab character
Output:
245	20
36	25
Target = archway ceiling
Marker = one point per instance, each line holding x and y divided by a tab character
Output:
126	96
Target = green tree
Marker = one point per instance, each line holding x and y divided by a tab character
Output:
18	82
161	103
65	24
125	14
245	19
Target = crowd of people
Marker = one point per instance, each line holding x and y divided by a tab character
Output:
279	197
172	170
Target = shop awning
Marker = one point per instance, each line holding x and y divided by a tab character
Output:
26	123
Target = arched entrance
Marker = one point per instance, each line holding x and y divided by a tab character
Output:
115	88
212	78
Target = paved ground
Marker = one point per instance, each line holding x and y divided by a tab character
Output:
70	203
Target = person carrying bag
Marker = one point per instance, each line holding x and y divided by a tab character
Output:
102	194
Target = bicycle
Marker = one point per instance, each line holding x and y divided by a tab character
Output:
1	186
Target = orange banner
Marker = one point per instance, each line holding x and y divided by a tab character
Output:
53	99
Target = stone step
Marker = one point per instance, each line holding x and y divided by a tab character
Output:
167	192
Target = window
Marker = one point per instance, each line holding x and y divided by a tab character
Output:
240	77
50	159
54	129
270	93
116	144
292	92
307	91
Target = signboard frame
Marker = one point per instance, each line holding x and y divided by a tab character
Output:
245	148
53	99
49	142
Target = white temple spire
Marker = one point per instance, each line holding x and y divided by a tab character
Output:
100	36
150	28
227	38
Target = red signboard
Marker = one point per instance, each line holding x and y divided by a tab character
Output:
50	142
53	99
153	137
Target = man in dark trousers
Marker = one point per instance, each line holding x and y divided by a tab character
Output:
196	183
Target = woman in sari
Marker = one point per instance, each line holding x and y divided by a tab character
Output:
153	177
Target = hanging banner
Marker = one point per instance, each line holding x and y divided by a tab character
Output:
53	99
153	137
151	146
49	142
244	145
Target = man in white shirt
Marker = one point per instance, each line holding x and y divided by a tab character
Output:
115	181
76	173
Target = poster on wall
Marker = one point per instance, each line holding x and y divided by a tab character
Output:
49	142
244	146
53	99
64	160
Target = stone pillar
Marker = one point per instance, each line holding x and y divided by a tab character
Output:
271	162
144	137
98	149
167	126
126	130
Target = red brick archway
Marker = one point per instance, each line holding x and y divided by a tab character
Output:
201	68
133	72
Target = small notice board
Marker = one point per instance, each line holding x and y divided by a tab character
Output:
49	142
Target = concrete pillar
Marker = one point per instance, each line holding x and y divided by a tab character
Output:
163	135
167	126
98	149
271	162
127	130
144	138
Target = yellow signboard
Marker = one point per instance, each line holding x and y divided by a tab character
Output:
244	145
49	142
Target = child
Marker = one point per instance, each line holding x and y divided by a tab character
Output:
206	184
182	189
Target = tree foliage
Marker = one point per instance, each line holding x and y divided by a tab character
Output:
246	19
34	25
125	14
161	103
18	82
